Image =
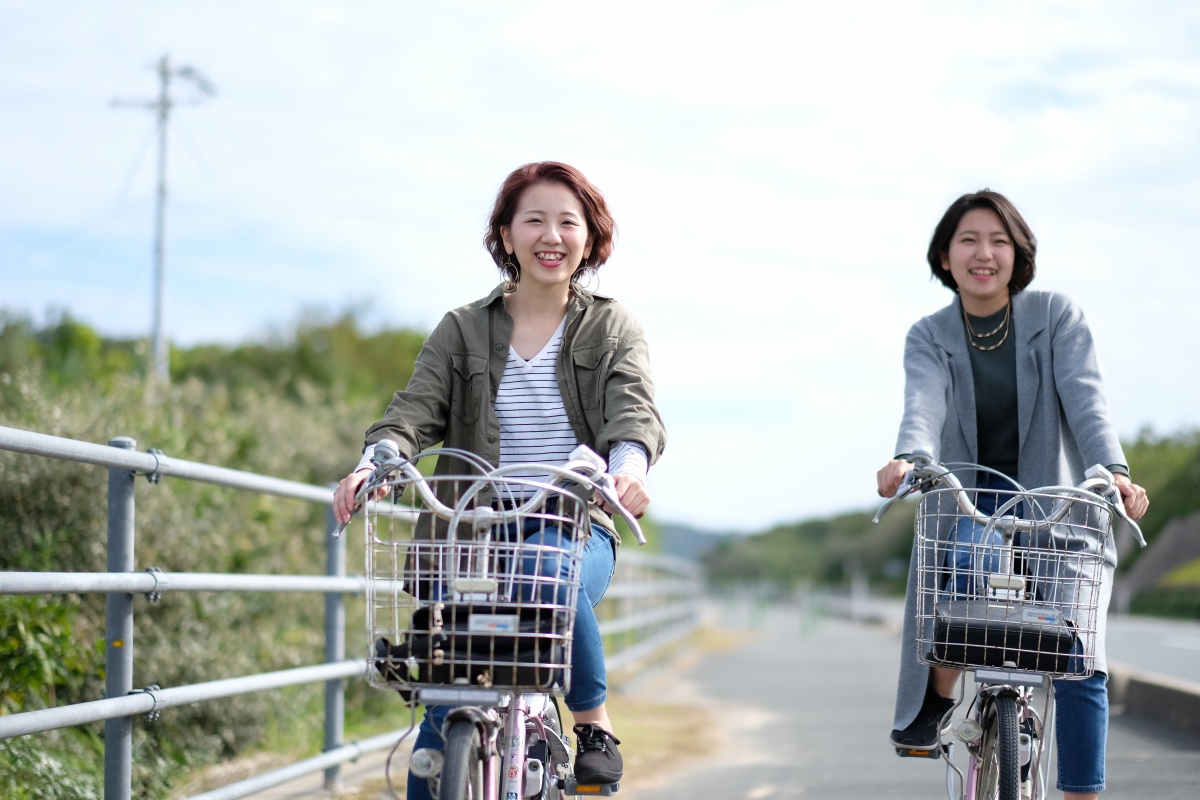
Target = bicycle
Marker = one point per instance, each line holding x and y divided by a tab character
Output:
471	601
1017	604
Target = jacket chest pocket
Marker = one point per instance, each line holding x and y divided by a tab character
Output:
591	373
468	374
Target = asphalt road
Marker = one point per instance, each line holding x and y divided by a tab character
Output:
1161	646
805	709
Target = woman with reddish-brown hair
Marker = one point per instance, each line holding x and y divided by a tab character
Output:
525	375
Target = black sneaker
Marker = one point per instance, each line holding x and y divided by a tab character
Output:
923	732
596	758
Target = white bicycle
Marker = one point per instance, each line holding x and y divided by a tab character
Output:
472	587
1015	596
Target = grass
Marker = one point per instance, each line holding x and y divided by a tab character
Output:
1187	575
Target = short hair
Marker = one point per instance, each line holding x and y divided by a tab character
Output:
1024	242
600	225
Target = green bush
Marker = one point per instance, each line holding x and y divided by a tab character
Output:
1179	602
54	518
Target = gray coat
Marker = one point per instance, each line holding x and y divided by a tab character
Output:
1064	424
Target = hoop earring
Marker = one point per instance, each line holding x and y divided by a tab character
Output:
510	276
584	279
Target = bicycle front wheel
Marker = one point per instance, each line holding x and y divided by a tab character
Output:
999	751
462	765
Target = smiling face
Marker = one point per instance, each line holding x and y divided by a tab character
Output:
980	258
548	236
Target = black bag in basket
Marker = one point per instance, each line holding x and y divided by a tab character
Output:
508	645
983	633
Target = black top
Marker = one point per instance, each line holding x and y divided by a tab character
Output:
995	377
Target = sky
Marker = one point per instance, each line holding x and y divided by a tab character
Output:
775	169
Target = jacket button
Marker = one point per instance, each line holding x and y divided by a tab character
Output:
491	439
499	347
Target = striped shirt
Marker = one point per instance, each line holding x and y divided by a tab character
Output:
534	427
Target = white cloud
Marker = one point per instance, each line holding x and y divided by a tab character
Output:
776	169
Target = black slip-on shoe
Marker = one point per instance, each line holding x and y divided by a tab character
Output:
924	731
597	759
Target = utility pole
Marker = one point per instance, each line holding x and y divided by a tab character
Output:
160	371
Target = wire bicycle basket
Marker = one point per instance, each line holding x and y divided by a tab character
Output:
1023	590
483	597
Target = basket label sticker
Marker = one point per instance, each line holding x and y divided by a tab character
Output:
1043	615
494	623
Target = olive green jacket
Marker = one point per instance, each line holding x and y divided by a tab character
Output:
603	376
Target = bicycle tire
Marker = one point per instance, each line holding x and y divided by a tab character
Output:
462	764
999	751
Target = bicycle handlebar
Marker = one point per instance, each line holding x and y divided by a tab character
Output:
584	466
1098	482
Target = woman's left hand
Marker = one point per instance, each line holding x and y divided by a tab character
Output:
632	495
1132	496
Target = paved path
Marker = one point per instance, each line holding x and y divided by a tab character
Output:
805	712
803	707
1162	646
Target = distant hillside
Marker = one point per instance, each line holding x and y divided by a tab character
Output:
830	550
688	542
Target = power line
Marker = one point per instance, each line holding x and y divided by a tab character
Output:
162	106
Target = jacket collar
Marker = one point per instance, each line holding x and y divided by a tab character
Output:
579	299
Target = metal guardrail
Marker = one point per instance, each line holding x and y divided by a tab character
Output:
653	601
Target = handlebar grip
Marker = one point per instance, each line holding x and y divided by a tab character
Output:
386	451
588	456
921	456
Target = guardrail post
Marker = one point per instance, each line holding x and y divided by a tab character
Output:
118	651
335	648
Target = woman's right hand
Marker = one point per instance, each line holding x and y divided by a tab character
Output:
892	474
347	490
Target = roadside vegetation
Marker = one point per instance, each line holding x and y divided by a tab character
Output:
293	405
837	550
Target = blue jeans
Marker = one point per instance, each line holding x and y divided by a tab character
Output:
589	682
972	552
1081	728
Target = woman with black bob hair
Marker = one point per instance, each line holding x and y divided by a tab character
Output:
1006	378
525	375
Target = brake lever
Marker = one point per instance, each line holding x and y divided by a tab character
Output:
608	490
907	486
1113	496
385	458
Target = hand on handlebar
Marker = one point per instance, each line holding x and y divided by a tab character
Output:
345	497
631	493
1133	497
889	478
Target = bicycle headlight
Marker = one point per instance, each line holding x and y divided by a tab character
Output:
425	763
967	731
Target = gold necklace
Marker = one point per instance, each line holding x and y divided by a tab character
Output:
1004	323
